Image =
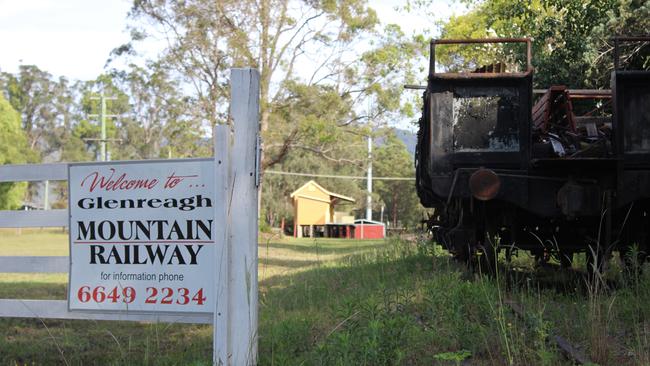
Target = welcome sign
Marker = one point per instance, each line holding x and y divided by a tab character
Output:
142	236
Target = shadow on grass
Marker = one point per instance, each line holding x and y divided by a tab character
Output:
287	263
375	308
294	321
32	290
342	247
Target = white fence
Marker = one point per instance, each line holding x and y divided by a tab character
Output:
236	167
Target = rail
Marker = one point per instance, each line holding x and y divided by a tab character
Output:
625	39
434	42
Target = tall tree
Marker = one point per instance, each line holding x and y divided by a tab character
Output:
278	37
44	105
157	124
13	150
392	159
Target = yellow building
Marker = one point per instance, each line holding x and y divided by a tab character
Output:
313	209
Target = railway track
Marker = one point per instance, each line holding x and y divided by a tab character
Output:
568	350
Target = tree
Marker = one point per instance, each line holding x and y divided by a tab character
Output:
627	18
560	30
206	38
313	114
13	150
157	123
392	159
44	105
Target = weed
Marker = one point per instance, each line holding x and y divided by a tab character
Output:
456	357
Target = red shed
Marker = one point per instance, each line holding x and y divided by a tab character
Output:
369	229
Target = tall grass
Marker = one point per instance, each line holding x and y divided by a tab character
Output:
398	302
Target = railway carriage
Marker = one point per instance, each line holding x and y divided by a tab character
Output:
506	167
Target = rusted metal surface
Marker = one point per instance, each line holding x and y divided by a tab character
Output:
473	76
558	131
554	109
484	184
594	92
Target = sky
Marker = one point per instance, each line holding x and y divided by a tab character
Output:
73	38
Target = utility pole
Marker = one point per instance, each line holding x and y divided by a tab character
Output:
369	186
103	156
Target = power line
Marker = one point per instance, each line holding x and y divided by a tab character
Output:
334	176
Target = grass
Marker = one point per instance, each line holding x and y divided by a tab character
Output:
337	302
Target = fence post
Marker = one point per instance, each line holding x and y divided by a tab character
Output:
221	334
235	333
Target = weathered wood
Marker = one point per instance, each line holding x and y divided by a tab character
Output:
58	309
34	218
33	172
34	264
516	309
242	213
222	327
570	351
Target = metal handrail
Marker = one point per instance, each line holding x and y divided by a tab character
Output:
625	39
434	42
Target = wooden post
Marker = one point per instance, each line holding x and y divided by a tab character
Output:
235	333
222	326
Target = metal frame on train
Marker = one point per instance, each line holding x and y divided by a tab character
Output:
510	199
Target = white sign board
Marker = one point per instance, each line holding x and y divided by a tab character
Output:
142	236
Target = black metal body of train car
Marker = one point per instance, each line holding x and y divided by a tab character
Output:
498	180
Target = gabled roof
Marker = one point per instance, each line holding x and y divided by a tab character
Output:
331	194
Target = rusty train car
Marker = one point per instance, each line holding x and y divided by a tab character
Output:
504	170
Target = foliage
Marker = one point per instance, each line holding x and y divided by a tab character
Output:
456	357
391	159
571	39
207	38
157	123
13	150
45	105
627	18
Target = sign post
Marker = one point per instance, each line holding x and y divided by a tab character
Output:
175	237
236	182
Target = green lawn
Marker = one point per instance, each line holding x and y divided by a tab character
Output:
337	302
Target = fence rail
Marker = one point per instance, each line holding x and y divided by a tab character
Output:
58	309
21	264
34	218
33	172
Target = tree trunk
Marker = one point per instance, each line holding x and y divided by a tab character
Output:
394	209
